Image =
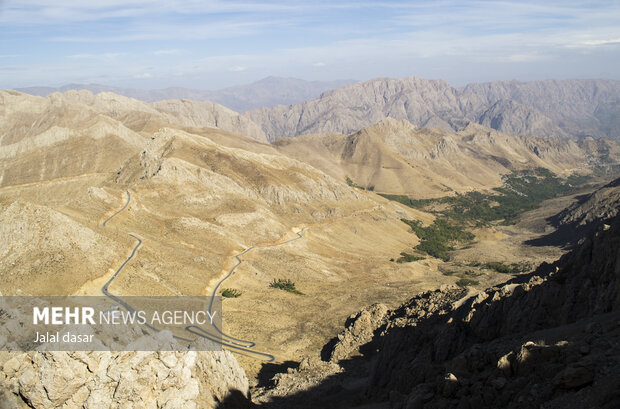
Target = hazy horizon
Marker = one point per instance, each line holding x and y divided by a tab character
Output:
149	44
146	88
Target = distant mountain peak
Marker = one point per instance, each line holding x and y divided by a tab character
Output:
267	92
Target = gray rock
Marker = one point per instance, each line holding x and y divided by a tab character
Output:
538	108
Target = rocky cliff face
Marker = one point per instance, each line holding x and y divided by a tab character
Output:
538	108
601	205
209	115
550	338
579	107
509	116
159	374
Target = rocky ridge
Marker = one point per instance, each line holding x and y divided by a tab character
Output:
597	206
59	245
576	108
183	112
159	373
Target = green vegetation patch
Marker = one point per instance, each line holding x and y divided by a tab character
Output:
513	268
521	191
407	201
438	238
465	277
351	183
231	293
466	282
408	258
286	285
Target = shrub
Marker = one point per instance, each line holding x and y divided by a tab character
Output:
286	285
514	268
465	282
351	183
435	249
231	293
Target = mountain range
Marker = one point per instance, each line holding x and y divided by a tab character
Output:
391	156
569	108
286	107
267	92
101	192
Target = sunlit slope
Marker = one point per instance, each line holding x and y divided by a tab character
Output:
396	157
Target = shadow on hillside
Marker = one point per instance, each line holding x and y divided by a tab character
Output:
568	235
343	390
269	370
417	354
350	388
235	400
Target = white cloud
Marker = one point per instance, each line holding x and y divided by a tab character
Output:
45	12
25	12
517	58
237	68
173	51
319	64
101	57
143	75
167	32
596	43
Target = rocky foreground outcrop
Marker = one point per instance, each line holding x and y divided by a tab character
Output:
547	339
171	380
550	338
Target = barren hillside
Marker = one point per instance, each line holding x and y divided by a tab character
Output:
396	157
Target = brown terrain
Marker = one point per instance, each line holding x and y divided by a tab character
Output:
202	185
397	157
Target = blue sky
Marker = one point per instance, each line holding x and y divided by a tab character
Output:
214	44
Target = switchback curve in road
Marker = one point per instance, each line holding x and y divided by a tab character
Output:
240	349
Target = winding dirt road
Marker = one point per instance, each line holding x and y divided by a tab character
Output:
234	345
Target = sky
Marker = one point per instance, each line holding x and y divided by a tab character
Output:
214	44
